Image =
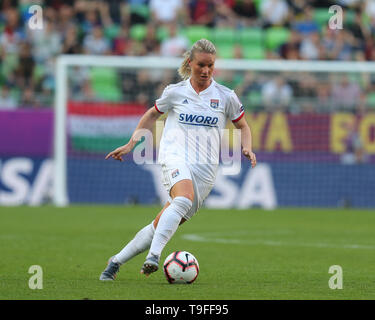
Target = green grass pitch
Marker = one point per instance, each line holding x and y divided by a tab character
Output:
243	254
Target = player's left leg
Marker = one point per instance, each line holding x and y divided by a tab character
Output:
140	243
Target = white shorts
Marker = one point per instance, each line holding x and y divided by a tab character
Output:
177	172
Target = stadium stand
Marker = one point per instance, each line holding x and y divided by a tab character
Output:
239	29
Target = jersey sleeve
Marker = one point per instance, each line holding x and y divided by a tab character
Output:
235	109
163	104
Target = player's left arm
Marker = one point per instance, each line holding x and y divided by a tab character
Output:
246	140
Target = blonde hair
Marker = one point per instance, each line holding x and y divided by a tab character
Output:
202	45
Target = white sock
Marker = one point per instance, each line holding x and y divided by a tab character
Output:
168	224
140	243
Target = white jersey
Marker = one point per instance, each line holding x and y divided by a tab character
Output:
194	125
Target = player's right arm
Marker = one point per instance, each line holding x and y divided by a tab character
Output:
147	121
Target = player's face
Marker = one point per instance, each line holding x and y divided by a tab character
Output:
202	68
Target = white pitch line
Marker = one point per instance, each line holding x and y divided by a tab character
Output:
200	238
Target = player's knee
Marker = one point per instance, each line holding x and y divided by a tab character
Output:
188	195
182	205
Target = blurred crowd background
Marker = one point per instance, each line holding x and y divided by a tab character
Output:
241	29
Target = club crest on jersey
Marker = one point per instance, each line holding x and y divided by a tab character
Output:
175	173
214	103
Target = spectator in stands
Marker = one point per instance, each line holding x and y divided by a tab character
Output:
66	18
355	152
306	25
95	42
311	48
246	12
12	35
28	99
347	4
345	94
361	32
298	8
165	11
90	20
25	70
144	90
122	42
341	45
305	92
202	12
151	42
175	44
71	43
323	97
248	85
7	101
291	48
274	12
46	43
369	8
135	12
277	94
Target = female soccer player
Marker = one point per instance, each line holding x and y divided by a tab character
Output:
197	102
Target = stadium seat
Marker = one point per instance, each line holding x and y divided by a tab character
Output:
257	5
223	35
250	36
104	82
321	16
138	32
253	100
162	33
276	36
112	31
371	100
225	51
349	16
141	10
253	51
197	32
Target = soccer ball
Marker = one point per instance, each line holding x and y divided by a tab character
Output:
181	267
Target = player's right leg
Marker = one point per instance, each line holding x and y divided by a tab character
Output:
182	194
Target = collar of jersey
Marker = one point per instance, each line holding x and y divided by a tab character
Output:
205	90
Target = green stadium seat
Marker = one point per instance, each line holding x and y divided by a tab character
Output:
321	16
9	63
112	31
257	5
253	52
162	33
276	36
141	10
197	32
349	17
225	51
104	83
138	32
254	100
371	100
250	36
223	36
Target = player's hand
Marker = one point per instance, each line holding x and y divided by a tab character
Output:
251	156
119	152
